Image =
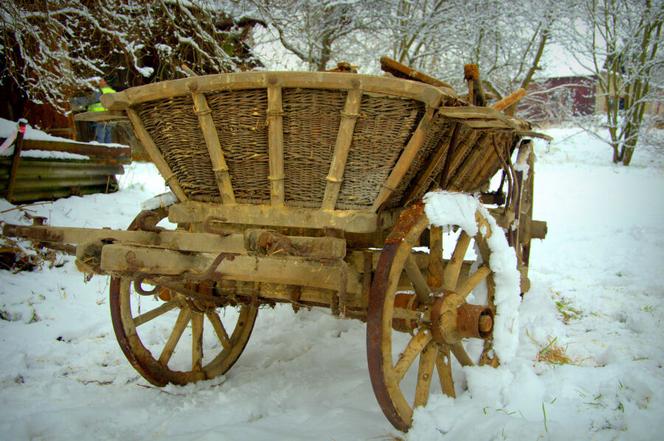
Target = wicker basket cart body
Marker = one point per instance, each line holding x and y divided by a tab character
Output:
306	188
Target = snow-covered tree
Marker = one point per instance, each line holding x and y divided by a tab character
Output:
54	49
315	31
618	40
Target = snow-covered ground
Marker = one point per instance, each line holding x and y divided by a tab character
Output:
596	296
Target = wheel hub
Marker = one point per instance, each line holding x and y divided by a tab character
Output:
452	319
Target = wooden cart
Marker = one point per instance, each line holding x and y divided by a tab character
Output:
306	188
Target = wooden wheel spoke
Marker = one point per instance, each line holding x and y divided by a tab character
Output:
176	333
417	279
453	267
488	358
427	361
414	347
219	329
460	354
154	313
444	368
471	282
435	276
197	341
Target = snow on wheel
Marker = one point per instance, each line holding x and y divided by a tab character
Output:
177	336
425	310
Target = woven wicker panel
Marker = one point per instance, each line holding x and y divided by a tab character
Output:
381	133
438	137
482	162
240	119
501	141
311	124
174	128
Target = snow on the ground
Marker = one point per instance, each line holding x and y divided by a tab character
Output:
596	294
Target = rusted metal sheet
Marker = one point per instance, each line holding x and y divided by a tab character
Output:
40	179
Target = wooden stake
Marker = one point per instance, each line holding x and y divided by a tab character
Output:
154	153
276	142
342	147
405	160
16	158
215	150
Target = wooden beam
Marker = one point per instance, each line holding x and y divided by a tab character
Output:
286	270
405	160
215	150
155	155
341	149
275	143
352	221
121	154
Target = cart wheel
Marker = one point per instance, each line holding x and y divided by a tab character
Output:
170	338
418	307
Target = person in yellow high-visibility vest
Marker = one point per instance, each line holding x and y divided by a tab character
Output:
102	130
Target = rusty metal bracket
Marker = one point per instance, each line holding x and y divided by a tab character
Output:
210	273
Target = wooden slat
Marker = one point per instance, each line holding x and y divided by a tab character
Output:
341	149
405	160
158	160
276	144
215	150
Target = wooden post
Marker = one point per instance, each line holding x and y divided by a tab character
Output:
405	160
471	73
145	138
342	147
219	166
16	158
275	142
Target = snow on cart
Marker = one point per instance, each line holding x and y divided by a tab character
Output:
366	195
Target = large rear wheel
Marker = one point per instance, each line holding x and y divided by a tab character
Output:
425	311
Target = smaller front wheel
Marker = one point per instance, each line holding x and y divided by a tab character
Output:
173	335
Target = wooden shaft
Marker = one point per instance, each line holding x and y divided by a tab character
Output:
145	138
215	150
251	241
341	149
405	160
510	99
400	70
275	143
